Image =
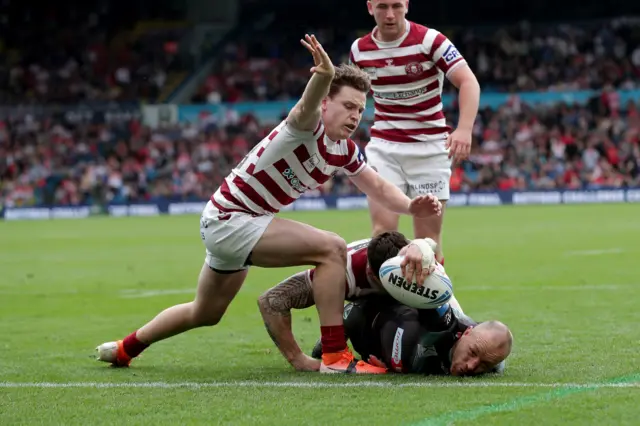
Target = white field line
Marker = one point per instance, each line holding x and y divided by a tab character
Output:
134	294
594	252
312	385
548	287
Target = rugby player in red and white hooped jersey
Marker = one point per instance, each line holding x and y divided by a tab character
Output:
239	227
411	145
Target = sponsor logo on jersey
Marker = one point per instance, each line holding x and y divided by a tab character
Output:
293	180
405	94
347	310
451	54
396	351
447	317
427	187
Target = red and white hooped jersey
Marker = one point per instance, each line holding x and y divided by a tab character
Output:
356	282
407	77
283	166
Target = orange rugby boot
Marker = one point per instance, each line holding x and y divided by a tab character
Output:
345	362
113	352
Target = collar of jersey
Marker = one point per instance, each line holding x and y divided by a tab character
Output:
394	43
327	138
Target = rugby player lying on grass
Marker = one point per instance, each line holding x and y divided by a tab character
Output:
441	341
384	331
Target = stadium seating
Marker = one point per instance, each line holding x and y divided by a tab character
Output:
505	59
82	54
515	147
51	159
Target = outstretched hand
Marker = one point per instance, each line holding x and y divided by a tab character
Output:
321	61
425	205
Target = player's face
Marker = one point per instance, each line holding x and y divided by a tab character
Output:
389	16
474	354
342	112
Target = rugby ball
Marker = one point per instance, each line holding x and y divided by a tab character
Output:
436	290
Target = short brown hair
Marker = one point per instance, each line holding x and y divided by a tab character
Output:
351	76
383	247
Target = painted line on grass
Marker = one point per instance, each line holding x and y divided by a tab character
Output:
549	287
313	384
526	401
136	294
594	252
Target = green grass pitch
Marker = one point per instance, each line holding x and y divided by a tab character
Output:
566	279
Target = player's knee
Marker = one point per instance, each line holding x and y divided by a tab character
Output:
334	249
208	320
203	317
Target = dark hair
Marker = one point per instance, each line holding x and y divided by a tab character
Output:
384	246
351	76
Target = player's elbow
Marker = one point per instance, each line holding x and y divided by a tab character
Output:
273	303
264	304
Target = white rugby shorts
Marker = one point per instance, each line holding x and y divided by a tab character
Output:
229	238
416	168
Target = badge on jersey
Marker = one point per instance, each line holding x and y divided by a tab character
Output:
311	163
414	69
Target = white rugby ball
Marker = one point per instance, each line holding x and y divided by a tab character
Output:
436	290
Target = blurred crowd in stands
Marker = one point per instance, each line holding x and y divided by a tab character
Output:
506	59
57	160
80	53
515	147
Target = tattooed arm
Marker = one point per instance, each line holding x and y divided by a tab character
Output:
275	306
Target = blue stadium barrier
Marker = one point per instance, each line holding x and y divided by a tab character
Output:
272	111
167	207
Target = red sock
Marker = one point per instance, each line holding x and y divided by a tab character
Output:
333	339
132	346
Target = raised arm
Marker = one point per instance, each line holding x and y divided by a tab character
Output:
275	306
306	113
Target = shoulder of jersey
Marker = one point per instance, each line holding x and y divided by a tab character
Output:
363	44
358	244
419	28
418	35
